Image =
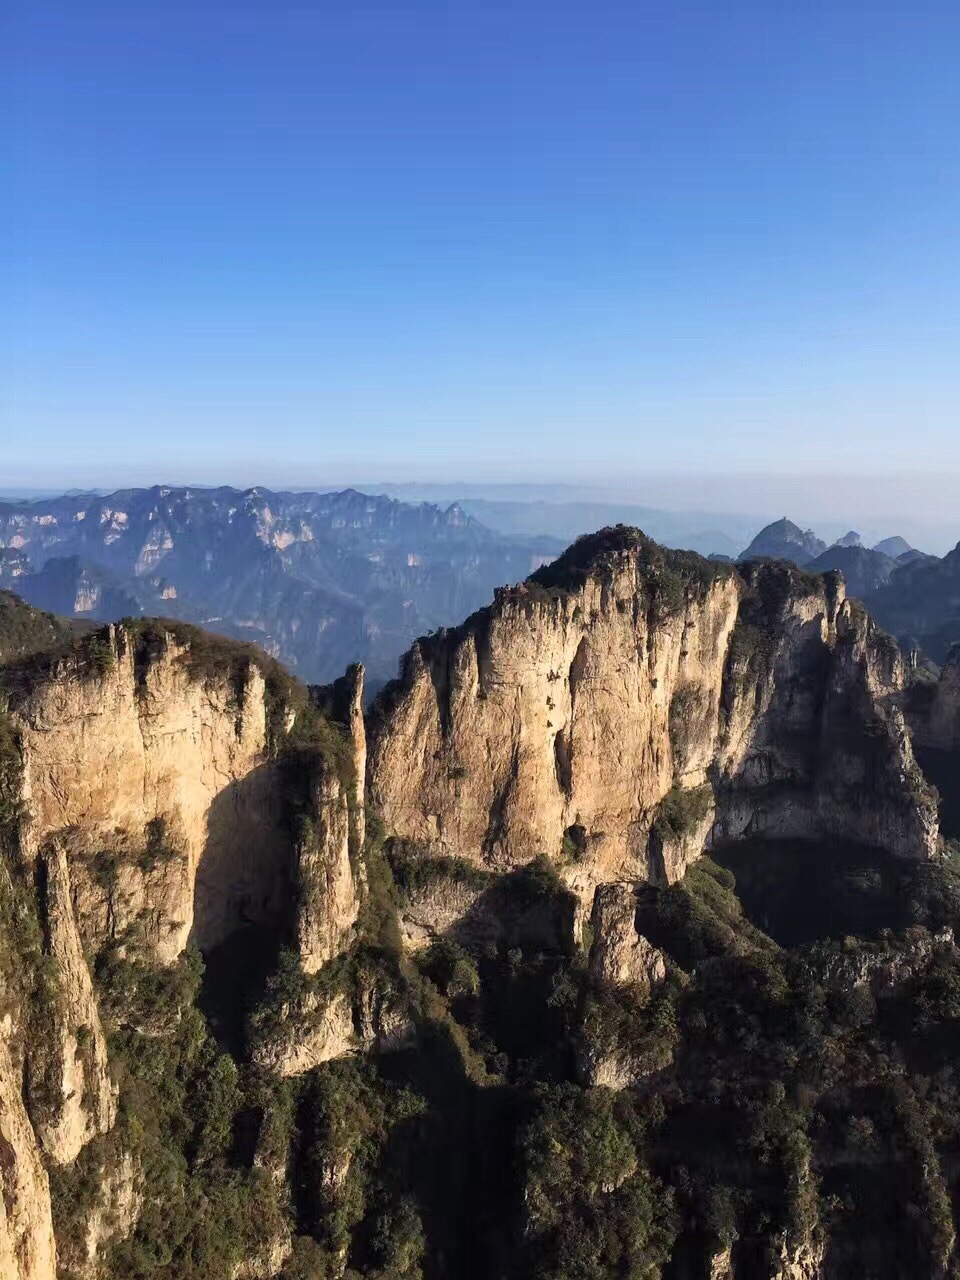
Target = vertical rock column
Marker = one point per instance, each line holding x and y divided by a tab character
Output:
332	833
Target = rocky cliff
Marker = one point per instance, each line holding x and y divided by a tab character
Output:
159	787
504	898
626	702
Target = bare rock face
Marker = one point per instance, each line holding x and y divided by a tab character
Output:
814	741
113	1216
442	906
328	897
547	717
879	967
621	955
323	1026
85	1103
266	1263
27	1249
559	720
307	1036
142	745
799	1260
332	834
152	794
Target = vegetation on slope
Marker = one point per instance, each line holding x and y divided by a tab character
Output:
25	631
669	575
777	1100
776	1097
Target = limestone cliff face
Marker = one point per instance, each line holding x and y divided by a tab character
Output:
621	711
332	832
813	740
321	1026
27	1250
159	786
328	892
561	719
85	1103
620	953
544	723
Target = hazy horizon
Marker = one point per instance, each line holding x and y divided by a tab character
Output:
737	506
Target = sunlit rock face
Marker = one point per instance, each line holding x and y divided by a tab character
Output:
162	775
561	719
153	794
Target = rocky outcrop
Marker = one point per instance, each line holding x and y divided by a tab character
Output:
814	742
620	954
445	904
332	831
157	787
544	724
328	896
559	720
157	780
320	1025
27	1249
592	731
803	1260
881	966
316	1031
113	1215
78	1072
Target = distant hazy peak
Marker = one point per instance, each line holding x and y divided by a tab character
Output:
893	547
850	539
784	540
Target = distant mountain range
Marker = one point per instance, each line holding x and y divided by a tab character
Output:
913	595
319	580
323	579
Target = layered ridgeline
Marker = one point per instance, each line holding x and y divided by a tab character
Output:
914	596
467	999
317	579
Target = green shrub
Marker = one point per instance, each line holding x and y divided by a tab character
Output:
681	811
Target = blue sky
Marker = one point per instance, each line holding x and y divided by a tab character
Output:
303	243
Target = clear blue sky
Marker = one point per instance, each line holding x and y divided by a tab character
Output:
299	242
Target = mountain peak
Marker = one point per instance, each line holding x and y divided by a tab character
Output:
893	547
784	540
